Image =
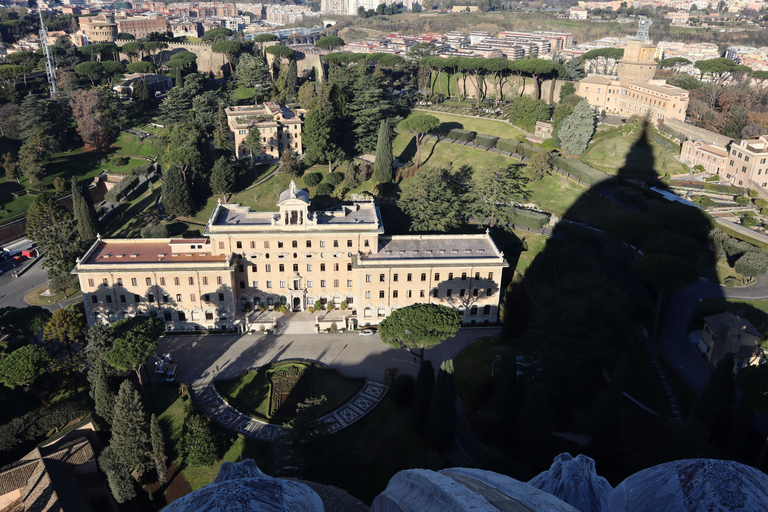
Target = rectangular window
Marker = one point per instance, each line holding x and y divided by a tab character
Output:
335	267
282	284
349	283
381	278
394	277
421	293
423	277
151	298
207	298
367	278
240	268
294	244
205	280
435	293
349	267
255	284
335	243
490	275
221	245
208	316
120	281
122	299
136	298
488	291
475	292
192	297
409	277
134	282
167	316
322	283
281	267
309	283
477	275
367	295
448	292
242	285
253	244
269	284
335	283
394	294
182	316
295	267
349	243
408	294
309	244
221	297
450	276
149	281
322	243
94	299
239	244
279	245
381	294
437	277
90	283
176	281
191	281
178	297
165	298
266	244
463	276
309	267
218	279
462	292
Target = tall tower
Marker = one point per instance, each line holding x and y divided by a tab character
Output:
50	65
643	29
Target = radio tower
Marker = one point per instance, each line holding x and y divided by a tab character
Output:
50	65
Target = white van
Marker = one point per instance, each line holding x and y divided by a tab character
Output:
170	373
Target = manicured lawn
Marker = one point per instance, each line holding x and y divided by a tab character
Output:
250	394
133	215
472	367
475	124
756	311
445	155
243	93
609	155
127	168
35	299
536	244
264	197
127	144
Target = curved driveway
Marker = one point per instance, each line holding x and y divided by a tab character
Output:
679	351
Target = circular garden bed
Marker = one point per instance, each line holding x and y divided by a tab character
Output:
273	392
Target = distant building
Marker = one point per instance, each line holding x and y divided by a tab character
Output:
747	162
678	17
142	26
155	83
464	8
696	152
726	333
98	29
279	126
578	14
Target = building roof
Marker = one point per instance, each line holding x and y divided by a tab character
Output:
661	88
293	193
143	251
696	133
434	247
715	322
595	79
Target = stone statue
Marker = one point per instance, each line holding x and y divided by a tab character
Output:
575	482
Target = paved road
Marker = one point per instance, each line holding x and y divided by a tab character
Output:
202	359
13	289
680	352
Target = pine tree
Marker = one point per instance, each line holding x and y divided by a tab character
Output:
130	438
198	447
221	132
382	167
101	391
85	213
367	108
434	203
222	176
140	91
422	395
318	139
12	172
441	423
176	200
179	79
175	107
52	227
158	449
121	484
577	129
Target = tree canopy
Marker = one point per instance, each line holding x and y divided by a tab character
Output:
419	326
329	42
419	125
23	366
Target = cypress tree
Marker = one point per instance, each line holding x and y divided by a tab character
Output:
221	133
158	449
198	447
121	484
505	394
422	395
179	79
577	129
85	213
176	200
140	91
130	438
222	176
101	391
441	423
382	167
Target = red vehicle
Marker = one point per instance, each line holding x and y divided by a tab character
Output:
17	258
28	253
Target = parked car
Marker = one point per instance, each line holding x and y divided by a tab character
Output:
159	364
170	373
367	332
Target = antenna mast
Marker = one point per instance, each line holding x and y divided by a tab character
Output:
50	65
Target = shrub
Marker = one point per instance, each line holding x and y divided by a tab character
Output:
579	170
38	423
121	189
748	221
529	218
121	161
760	202
334	327
665	143
764	211
741	200
154	231
343	305
485	141
334	178
704	201
510	146
402	389
462	135
752	193
143	170
527	150
699	168
318	305
732	281
324	189
312	179
712	178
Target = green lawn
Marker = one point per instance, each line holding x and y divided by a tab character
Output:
264	197
250	394
536	244
243	93
476	124
127	144
756	311
610	154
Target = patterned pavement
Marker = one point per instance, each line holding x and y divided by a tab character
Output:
215	407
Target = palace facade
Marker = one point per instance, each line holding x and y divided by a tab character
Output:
279	128
250	260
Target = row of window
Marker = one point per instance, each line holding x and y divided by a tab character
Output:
296	286
151	298
281	267
294	244
161	281
409	277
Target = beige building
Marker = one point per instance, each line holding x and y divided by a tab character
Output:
726	333
712	158
279	127
634	91
142	26
294	257
747	162
98	29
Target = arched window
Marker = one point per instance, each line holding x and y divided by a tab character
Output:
473	311
487	310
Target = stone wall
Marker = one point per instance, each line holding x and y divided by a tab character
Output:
207	60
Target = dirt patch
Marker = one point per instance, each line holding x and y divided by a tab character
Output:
177	487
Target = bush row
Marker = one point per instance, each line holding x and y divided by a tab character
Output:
121	189
665	143
529	218
674	133
508	145
579	170
38	423
712	187
462	135
485	141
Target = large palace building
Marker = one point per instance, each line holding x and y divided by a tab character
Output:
296	257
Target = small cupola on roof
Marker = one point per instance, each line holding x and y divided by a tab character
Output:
293	204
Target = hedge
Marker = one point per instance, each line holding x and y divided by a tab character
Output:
334	178
485	141
529	218
462	135
579	170
527	150
312	179
508	145
324	189
712	187
666	143
121	189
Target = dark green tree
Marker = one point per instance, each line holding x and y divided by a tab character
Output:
197	445
433	202
85	213
121	483
419	327
158	449
52	227
419	125
101	390
130	436
11	167
221	132
329	42
175	107
560	114
176	199
525	111
222	176
491	194
33	115
230	48
566	90
577	129
132	346
318	139
382	167
441	422
422	395
140	91
23	366
368	106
